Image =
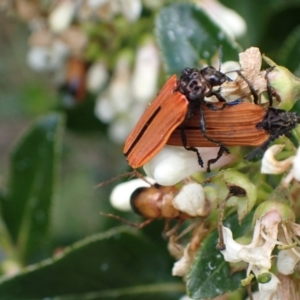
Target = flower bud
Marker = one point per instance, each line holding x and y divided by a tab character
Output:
274	209
60	18
97	77
120	196
191	200
284	83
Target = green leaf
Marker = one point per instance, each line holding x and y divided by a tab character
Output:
187	35
31	186
210	275
118	264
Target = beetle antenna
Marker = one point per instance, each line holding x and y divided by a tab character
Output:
131	174
135	225
251	87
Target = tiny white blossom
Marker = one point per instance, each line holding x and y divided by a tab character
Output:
183	265
131	9
267	291
104	110
286	261
51	58
60	18
191	200
145	74
258	253
38	58
120	195
270	165
97	77
119	129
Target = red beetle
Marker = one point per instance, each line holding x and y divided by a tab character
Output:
176	103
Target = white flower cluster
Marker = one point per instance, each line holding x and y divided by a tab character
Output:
55	36
129	92
274	227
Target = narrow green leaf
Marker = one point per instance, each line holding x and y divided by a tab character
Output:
210	275
31	187
119	264
186	36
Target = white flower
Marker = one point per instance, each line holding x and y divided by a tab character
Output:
268	291
145	74
127	96
97	77
258	253
270	165
117	99
120	196
286	261
183	265
47	58
96	3
173	163
60	18
131	9
289	256
191	200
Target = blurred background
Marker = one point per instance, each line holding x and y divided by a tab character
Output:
98	63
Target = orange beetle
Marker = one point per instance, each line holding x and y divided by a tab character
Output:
234	126
176	102
153	203
245	124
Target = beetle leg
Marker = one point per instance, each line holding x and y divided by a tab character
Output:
252	90
269	88
169	232
184	143
216	94
271	92
214	160
262	148
135	225
203	129
213	107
